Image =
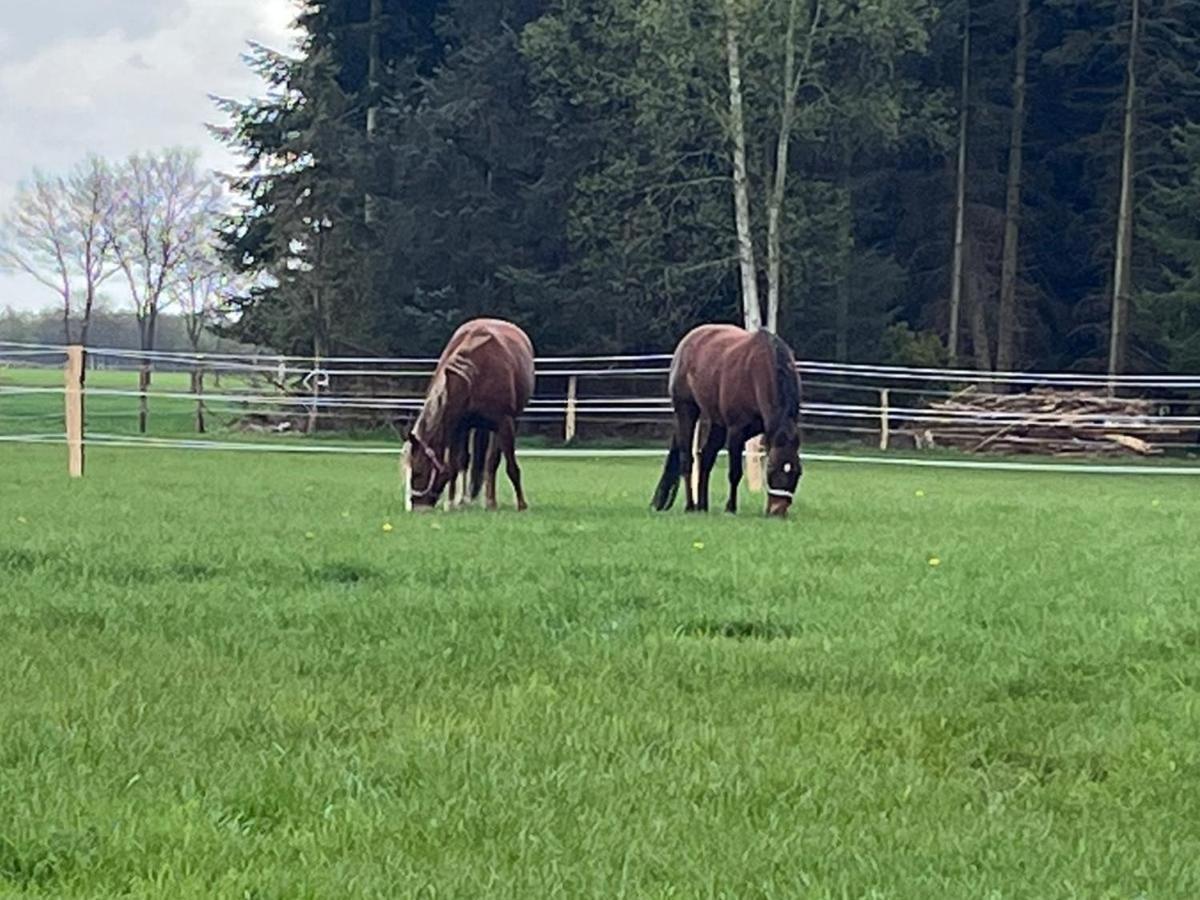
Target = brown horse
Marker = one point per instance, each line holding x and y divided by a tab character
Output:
742	384
483	380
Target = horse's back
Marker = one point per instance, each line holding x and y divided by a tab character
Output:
703	361
501	354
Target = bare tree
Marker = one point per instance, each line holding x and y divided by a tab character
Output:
91	195
56	232
199	293
166	206
37	241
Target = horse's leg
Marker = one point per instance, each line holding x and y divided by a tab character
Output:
737	447
458	460
708	458
686	416
508	442
491	467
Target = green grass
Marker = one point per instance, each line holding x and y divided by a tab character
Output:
224	678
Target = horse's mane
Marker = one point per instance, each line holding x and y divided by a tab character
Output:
787	384
430	420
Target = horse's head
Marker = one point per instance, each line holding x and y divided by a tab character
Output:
783	470
425	475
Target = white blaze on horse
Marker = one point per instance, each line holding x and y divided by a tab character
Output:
482	383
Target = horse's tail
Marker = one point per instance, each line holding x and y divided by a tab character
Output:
479	450
668	485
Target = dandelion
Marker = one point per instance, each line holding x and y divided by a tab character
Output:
920	493
387	526
935	561
699	545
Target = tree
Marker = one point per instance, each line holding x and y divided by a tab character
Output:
1007	316
57	232
741	186
166	207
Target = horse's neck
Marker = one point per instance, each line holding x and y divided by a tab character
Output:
437	415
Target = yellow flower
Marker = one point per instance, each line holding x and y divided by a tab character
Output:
387	526
934	561
308	536
920	493
1152	503
699	545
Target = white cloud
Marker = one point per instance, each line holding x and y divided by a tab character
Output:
120	91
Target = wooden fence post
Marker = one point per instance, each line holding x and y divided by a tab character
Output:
73	395
572	390
198	385
315	377
884	424
699	439
754	465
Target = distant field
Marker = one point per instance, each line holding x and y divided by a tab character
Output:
224	678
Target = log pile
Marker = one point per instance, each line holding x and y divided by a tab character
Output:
1044	421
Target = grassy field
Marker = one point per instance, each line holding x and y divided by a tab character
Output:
255	676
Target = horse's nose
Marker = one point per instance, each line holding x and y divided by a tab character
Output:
778	507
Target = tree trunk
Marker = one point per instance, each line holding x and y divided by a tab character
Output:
1007	316
741	188
980	347
147	335
960	192
1122	276
841	349
374	27
198	390
783	141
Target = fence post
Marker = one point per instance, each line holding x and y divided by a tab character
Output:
754	464
315	376
884	424
699	439
73	395
198	382
572	391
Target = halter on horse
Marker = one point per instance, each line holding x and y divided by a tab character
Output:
742	384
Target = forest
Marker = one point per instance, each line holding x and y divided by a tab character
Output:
998	184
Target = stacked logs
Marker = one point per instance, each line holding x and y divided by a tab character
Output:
1044	421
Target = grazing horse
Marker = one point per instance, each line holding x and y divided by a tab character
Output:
742	384
483	380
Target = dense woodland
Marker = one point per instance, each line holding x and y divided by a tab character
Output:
1003	184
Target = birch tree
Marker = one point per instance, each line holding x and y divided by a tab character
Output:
751	310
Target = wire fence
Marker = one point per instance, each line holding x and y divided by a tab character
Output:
259	402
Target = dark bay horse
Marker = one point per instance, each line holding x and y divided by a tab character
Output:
742	384
483	380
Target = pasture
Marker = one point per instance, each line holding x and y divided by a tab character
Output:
254	675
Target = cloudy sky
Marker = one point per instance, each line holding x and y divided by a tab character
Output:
116	76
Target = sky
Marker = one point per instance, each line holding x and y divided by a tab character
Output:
114	77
